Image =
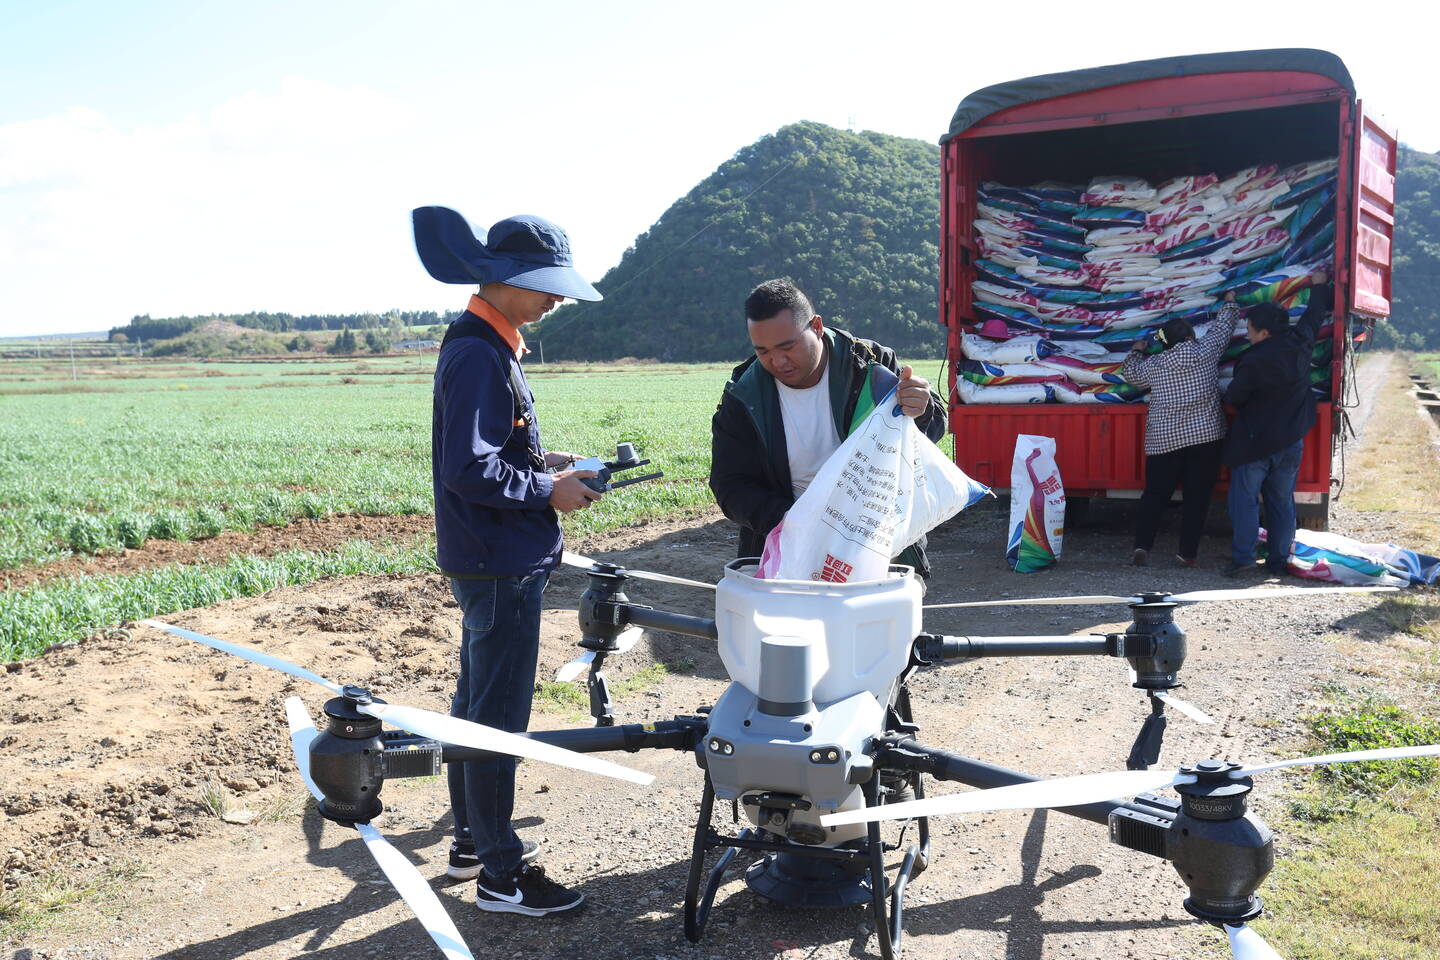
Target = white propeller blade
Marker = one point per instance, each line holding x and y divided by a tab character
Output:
408	882
427	723
1194	596
1089	788
247	653
1354	756
569	671
1062	792
575	560
1246	944
1032	601
1267	593
416	893
449	729
1184	706
573	669
302	731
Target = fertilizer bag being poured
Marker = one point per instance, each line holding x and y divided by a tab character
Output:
883	489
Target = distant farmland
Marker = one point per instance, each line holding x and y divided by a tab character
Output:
131	450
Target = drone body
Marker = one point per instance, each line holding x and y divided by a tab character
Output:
812	668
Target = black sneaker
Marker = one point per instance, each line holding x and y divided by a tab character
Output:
465	864
526	891
1233	569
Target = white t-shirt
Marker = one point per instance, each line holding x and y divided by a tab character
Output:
810	435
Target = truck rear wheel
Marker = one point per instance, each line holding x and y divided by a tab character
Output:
1313	516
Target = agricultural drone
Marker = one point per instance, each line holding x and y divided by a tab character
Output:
814	743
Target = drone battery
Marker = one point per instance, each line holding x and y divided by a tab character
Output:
407	755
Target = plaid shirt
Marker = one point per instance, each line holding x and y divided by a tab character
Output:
1184	395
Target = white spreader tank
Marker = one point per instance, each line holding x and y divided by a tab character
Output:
819	641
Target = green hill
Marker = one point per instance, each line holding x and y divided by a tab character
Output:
1415	316
853	218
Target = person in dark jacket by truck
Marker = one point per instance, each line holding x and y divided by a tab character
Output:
787	408
496	531
1274	409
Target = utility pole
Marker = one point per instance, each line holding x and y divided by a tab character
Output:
73	377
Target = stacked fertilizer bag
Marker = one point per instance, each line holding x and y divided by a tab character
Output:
1070	276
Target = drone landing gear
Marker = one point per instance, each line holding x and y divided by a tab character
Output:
804	876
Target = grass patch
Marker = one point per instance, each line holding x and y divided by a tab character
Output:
40	902
1416	614
1395	470
1357	881
573	699
1361	887
214	800
33	620
1375	724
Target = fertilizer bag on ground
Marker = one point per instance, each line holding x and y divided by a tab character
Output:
884	488
1037	506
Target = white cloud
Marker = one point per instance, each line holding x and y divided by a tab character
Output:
293	199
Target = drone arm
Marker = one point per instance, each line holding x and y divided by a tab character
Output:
931	648
673	622
682	733
904	753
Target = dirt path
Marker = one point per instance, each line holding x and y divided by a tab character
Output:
108	748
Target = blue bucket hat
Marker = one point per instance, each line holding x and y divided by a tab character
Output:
524	251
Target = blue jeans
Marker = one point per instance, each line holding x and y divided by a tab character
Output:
1272	478
501	643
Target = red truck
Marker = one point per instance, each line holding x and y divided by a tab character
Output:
1157	119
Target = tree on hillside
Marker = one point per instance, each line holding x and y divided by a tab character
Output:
852	218
343	344
1416	290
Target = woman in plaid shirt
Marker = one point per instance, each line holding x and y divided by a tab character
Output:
1185	426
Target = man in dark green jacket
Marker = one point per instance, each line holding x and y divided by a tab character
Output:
787	408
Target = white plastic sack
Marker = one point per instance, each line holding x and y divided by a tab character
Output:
1119	236
880	491
1029	348
1179	188
1080	349
1122	251
1234	184
1190	268
1006	393
1123	267
1037	506
1118	191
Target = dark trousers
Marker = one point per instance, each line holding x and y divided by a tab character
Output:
1195	469
497	684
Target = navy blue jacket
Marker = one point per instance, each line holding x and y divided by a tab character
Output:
1271	389
492	494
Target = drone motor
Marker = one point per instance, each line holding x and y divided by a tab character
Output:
347	760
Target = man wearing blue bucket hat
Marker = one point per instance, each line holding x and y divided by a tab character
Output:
496	530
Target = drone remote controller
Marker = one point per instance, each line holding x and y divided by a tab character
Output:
625	459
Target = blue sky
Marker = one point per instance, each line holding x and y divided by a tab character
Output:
202	157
